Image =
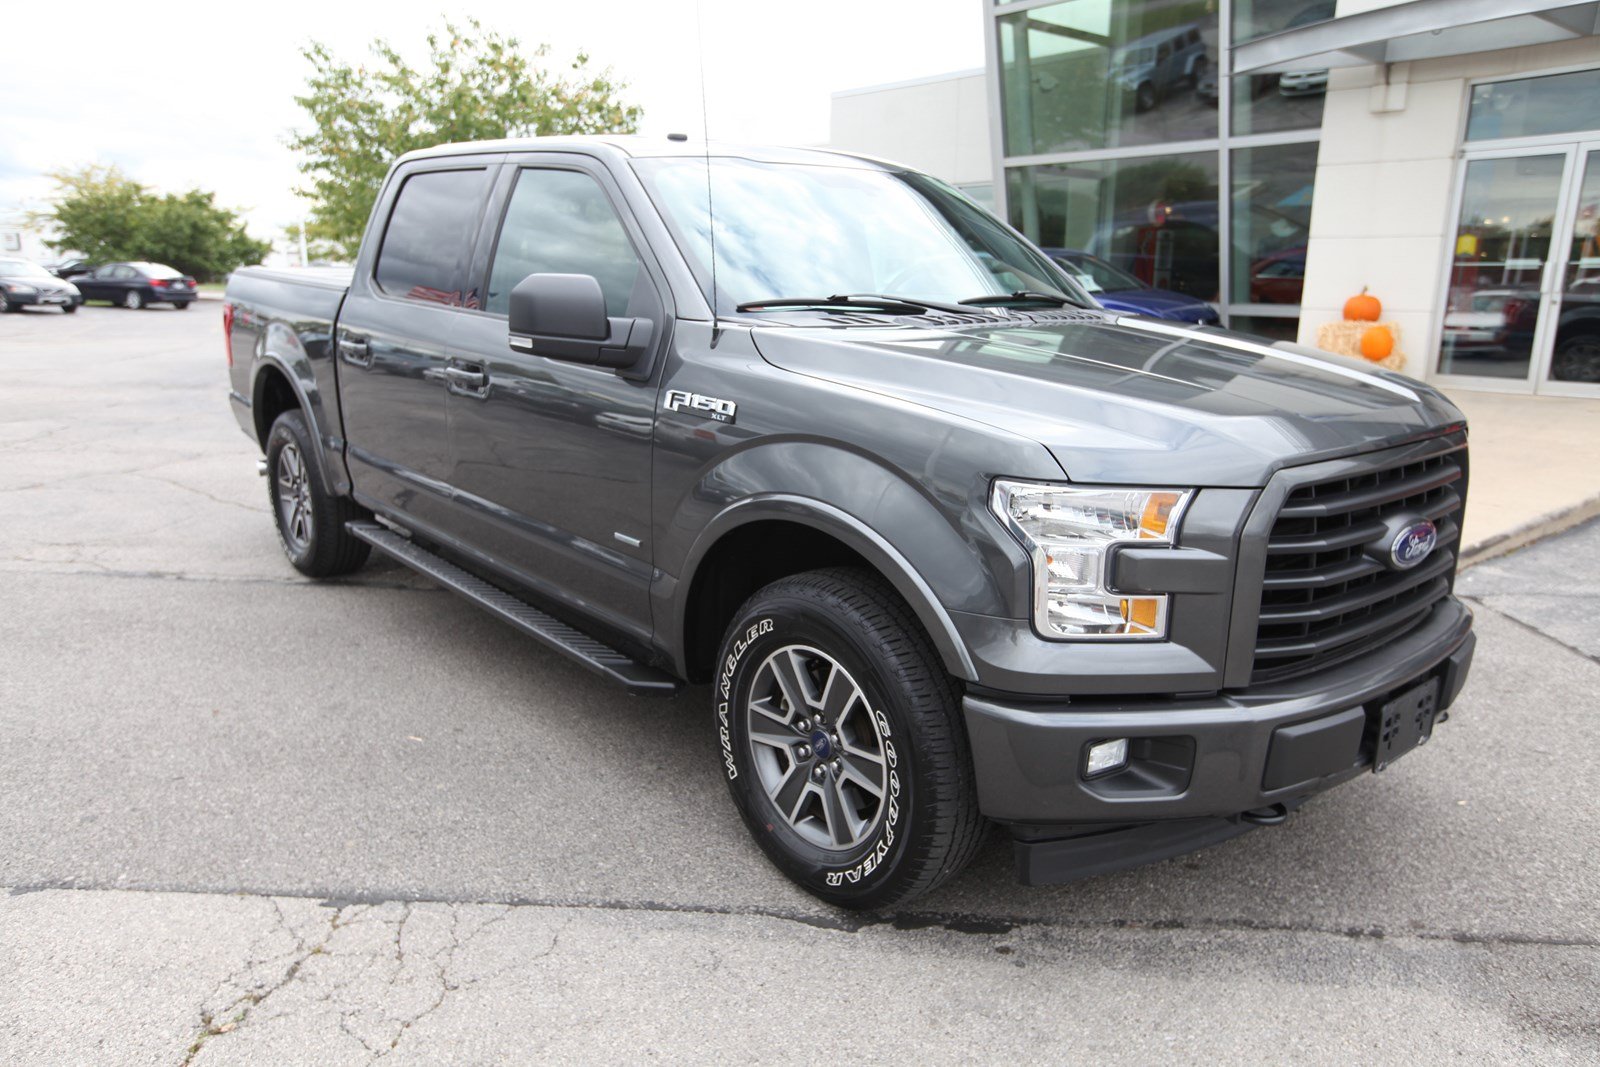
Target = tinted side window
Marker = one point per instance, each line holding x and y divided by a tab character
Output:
124	273
428	243
560	222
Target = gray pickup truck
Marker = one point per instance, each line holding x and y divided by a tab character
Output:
951	545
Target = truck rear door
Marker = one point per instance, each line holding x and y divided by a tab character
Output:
396	333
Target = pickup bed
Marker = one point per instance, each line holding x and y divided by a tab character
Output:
952	545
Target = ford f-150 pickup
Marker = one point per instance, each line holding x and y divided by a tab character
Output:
951	545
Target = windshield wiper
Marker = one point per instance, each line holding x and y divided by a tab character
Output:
889	305
1020	296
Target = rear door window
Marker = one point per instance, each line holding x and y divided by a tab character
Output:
428	244
562	222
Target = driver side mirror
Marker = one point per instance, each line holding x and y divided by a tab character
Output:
563	316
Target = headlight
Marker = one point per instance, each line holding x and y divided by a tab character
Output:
1068	531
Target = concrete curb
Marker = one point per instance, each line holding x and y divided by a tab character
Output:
1529	532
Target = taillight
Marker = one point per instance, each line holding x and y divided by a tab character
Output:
227	330
158	283
1513	309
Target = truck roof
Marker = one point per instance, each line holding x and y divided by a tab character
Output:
634	146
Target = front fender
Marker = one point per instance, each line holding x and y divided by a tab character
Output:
935	555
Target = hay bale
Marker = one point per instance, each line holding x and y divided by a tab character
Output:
1344	339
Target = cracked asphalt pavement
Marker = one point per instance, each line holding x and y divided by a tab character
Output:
248	818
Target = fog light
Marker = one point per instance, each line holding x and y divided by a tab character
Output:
1106	756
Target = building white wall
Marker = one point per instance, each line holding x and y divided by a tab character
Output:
15	230
937	125
1383	215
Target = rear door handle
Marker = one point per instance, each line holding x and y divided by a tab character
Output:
355	352
466	379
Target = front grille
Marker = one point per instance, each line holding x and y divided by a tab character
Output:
1323	598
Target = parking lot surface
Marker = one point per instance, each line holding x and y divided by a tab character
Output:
250	818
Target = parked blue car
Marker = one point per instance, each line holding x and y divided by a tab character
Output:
1118	290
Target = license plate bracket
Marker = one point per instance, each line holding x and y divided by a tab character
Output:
1404	722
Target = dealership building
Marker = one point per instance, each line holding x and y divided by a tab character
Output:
1274	157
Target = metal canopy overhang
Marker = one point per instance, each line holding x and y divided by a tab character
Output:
1421	29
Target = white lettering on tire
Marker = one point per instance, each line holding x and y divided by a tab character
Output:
725	687
875	855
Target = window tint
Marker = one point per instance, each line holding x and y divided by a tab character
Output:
429	240
124	273
560	222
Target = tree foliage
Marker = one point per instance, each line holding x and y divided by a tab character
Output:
104	214
476	85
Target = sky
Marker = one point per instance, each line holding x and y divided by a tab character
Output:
206	98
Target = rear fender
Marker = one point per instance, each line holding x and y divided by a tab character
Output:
280	348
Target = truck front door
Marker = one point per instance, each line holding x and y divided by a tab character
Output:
552	459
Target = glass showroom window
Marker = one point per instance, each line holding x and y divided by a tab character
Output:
1264	103
1271	221
1155	218
1092	74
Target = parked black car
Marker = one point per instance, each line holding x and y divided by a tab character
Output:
26	284
70	267
134	285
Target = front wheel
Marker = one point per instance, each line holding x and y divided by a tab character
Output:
1577	359
133	300
69	309
5	303
311	520
842	740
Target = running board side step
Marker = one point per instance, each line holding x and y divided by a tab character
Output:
599	657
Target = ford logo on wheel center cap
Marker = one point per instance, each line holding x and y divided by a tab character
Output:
1413	544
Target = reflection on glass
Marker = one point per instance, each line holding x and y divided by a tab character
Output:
1271	218
1100	73
560	222
1531	107
1257	18
1577	349
1155	219
1263	103
1501	245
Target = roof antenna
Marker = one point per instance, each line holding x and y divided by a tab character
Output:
705	135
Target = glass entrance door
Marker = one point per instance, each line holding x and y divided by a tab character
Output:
1495	314
1574	364
1522	307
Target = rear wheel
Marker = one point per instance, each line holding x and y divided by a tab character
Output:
133	300
68	309
842	740
5	303
181	305
310	519
1145	98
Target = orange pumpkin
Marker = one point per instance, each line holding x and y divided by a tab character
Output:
1377	342
1363	307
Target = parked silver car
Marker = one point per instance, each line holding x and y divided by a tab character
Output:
26	284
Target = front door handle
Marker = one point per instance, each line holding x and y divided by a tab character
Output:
355	352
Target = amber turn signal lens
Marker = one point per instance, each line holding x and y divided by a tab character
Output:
1157	514
1143	612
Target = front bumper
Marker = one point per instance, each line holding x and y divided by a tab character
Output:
1204	759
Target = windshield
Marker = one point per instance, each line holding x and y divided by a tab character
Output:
1098	276
787	229
18	269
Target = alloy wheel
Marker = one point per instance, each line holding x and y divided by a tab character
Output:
818	747
294	498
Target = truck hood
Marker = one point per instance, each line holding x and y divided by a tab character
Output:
1124	400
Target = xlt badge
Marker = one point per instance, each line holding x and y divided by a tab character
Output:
709	406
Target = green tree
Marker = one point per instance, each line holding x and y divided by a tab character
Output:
476	85
104	214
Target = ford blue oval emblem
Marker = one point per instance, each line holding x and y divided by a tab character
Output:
1412	544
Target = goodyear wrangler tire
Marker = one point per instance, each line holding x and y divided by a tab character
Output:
842	740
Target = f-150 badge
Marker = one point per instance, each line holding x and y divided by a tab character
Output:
709	406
